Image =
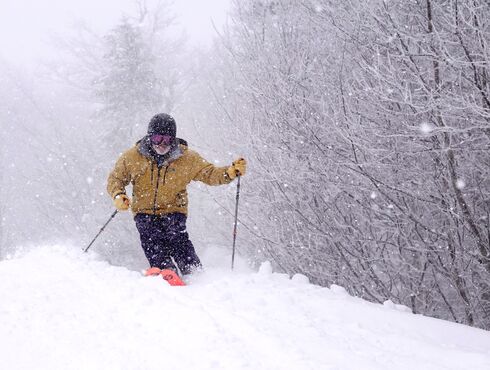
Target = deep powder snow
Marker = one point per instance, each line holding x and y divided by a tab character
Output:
63	309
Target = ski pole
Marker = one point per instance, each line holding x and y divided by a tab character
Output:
236	221
100	231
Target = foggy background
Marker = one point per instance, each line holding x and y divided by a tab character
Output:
50	58
366	126
26	26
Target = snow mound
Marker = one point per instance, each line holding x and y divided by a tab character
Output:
63	309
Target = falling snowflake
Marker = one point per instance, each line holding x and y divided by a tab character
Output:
460	184
426	128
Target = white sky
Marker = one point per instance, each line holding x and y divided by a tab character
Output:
26	25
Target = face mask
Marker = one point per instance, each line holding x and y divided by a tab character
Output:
161	149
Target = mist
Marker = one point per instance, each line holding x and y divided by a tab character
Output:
365	127
58	144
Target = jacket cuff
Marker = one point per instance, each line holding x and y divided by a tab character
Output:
118	193
227	177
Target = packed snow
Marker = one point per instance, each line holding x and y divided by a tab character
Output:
64	309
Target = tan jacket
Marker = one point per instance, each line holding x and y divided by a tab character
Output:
161	190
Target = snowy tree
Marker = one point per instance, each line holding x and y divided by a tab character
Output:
127	88
419	103
367	129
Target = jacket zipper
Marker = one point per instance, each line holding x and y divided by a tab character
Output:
165	175
156	187
156	192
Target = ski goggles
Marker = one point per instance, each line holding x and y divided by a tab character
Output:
157	139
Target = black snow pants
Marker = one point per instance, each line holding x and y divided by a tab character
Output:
164	237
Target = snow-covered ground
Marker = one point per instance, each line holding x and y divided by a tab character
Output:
63	309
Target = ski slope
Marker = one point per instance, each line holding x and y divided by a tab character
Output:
63	309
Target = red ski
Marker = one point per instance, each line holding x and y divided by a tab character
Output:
169	275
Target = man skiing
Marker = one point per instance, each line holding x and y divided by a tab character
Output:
159	167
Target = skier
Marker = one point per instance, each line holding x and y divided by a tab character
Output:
159	167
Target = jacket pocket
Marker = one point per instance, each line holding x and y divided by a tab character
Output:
181	199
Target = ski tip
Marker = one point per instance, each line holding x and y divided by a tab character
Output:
153	271
168	275
172	278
